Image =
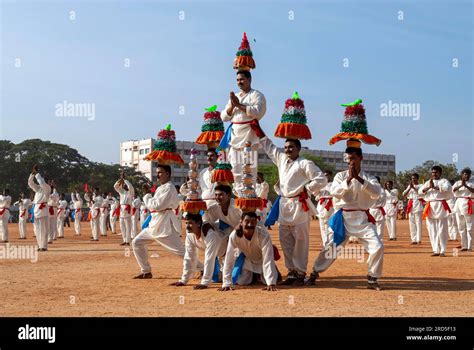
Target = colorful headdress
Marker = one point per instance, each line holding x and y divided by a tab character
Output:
293	120
213	128
223	170
244	59
164	149
354	127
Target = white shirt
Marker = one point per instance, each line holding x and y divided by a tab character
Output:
391	202
23	206
256	107
462	196
162	205
209	244
355	195
136	203
53	201
5	203
214	213
207	186
412	194
126	198
62	209
435	197
42	192
294	177
95	204
261	190
375	210
323	199
77	200
258	255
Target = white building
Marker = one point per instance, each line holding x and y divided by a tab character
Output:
133	152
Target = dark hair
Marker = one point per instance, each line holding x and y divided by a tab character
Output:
389	182
416	175
96	189
197	218
328	171
437	168
378	178
166	168
177	187
260	174
245	73
355	150
466	171
295	141
224	188
63	194
252	214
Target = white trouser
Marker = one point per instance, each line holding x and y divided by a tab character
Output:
4	226
438	232
53	227
77	223
324	228
465	229
236	159
294	242
22	227
42	228
365	232
113	221
172	242
391	222
414	220
103	224
379	228
452	226
246	277
125	228
61	226
95	226
134	226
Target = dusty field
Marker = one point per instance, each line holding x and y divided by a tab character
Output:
77	277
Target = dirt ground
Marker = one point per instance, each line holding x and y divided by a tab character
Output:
76	277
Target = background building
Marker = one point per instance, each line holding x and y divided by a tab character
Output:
133	152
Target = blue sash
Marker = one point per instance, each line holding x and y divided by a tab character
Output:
272	216
336	222
238	266
146	223
225	141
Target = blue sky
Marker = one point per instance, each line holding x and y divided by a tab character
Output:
188	63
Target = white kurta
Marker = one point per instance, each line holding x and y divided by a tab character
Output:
391	202
53	203
5	203
255	109
42	191
214	214
294	177
77	203
207	186
377	211
258	253
23	206
359	197
62	213
212	248
126	198
463	218
437	219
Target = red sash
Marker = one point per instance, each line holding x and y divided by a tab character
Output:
409	206
470	203
328	205
78	210
127	207
427	209
42	205
382	210
2	210
302	197
369	216
116	211
51	210
254	124
22	213
134	210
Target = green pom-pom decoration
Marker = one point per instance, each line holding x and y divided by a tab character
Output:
295	96
354	103
212	127
357	126
213	108
223	166
297	119
244	53
168	127
165	145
